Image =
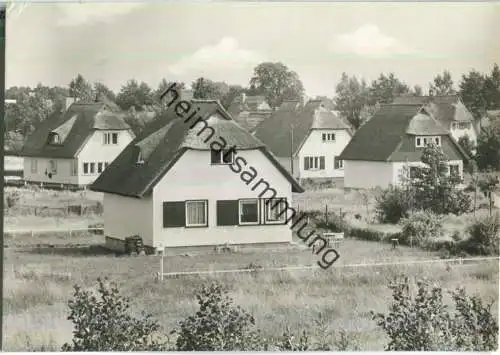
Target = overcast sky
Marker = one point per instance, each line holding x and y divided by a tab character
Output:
52	43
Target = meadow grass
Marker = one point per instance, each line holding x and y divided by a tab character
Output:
38	283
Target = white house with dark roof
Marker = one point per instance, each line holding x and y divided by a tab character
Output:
73	147
196	182
450	111
394	138
312	137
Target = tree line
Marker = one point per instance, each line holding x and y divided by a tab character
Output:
355	99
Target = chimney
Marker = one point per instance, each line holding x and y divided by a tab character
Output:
68	102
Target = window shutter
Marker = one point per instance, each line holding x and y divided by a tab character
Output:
227	212
174	214
306	163
322	163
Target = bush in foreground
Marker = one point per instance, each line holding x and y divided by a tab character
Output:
103	323
218	325
392	205
424	323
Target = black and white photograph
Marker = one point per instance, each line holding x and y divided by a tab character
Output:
251	176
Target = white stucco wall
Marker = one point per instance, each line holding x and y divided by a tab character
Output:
360	174
96	151
62	176
314	146
193	177
128	216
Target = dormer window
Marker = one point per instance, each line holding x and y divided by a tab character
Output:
54	138
219	157
421	142
140	159
328	137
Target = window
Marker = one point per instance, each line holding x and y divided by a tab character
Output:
92	168
463	125
185	214
110	138
99	167
454	170
53	166
424	141
74	167
314	163
249	211
328	137
54	138
34	165
275	210
85	168
414	172
338	163
222	156
196	213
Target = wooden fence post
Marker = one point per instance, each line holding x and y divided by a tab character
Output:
326	213
161	266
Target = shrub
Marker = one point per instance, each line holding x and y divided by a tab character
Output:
368	234
392	205
218	325
103	323
484	236
424	323
421	227
458	202
12	198
335	223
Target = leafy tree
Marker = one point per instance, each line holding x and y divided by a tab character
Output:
134	94
233	92
367	112
436	190
442	84
488	147
384	89
417	91
101	89
208	89
81	89
104	323
492	89
13	141
276	82
164	84
351	98
29	111
472	92
467	145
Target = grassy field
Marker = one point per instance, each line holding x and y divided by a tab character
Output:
40	273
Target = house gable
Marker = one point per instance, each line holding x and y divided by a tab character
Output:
174	139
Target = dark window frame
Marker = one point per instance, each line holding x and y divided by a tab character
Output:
243	200
220	157
267	206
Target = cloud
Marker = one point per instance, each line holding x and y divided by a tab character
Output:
225	56
85	13
369	41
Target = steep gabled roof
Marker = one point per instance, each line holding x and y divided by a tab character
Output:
378	138
165	140
445	108
74	127
276	131
382	135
